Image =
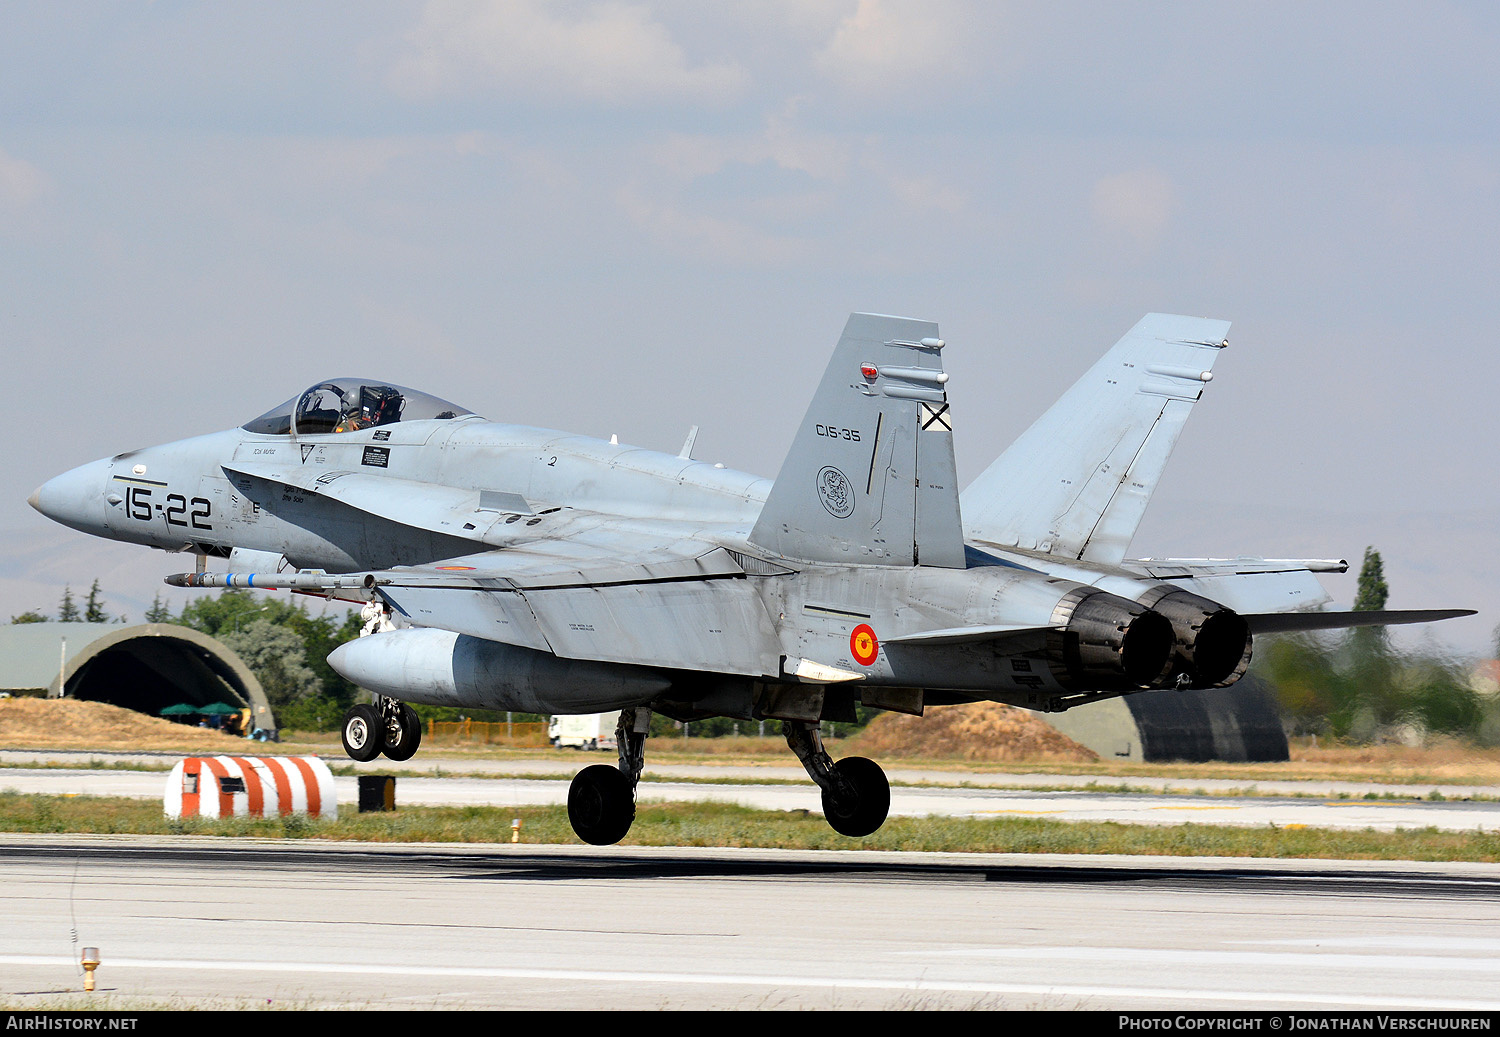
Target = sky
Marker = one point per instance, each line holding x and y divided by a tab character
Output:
629	218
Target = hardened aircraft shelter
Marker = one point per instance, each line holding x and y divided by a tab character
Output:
146	667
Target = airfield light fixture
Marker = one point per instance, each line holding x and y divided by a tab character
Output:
90	962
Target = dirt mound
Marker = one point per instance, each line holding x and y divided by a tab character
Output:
33	723
979	731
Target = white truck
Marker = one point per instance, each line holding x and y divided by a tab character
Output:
583	730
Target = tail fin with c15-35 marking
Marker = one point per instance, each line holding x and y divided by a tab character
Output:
870	477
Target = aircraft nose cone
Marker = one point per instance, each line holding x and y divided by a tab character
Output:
74	498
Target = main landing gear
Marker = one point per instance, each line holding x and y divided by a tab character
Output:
389	726
601	800
856	794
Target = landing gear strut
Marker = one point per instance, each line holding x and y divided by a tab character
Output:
856	794
601	800
389	726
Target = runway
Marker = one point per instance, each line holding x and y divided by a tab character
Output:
242	923
1343	805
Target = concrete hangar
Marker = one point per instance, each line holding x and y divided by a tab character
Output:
145	667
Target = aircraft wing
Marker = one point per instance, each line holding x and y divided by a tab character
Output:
621	591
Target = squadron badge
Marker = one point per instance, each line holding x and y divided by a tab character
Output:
836	492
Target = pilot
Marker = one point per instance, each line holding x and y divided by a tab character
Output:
354	417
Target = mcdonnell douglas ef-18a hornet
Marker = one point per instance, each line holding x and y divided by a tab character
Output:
516	568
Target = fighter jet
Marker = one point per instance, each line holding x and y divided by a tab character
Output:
515	568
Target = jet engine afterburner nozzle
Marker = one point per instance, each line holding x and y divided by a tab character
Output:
1109	642
1213	643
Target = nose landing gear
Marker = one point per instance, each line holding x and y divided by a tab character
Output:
389	726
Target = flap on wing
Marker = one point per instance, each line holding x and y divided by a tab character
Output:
469	514
569	563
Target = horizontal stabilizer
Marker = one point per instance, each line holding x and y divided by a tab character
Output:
1168	568
1289	622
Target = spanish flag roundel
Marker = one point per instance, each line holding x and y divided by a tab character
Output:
863	646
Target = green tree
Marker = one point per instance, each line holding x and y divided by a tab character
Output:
1373	592
324	695
277	657
31	616
67	611
93	608
1366	643
158	612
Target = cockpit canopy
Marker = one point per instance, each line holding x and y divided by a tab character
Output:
350	404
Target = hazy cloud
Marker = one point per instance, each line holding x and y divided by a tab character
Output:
21	183
782	142
893	48
1137	203
613	53
722	239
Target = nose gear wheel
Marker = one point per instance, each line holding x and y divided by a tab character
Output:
362	735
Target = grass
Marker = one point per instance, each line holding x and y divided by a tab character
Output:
709	824
1438	764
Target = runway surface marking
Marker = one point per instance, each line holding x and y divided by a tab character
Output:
782	982
1133	955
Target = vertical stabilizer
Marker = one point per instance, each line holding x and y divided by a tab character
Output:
870	477
1077	483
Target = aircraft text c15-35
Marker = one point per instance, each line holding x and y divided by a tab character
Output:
516	568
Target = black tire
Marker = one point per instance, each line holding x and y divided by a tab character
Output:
601	805
363	735
872	800
404	735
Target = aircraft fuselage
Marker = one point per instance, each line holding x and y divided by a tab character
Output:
472	486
